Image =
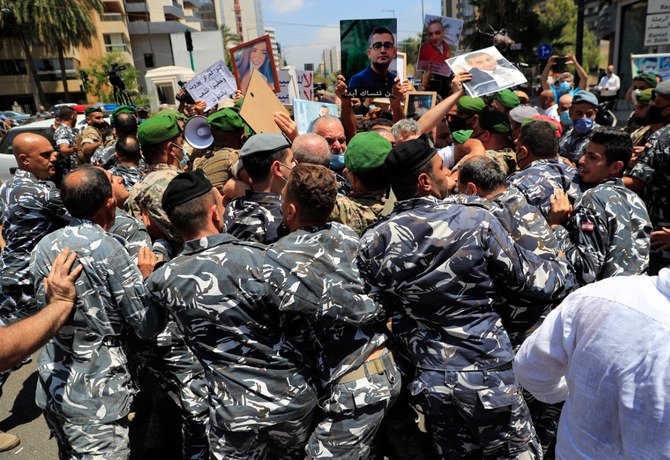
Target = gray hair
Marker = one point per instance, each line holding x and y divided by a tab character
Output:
311	148
405	128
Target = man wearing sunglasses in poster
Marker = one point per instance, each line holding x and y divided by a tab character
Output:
376	80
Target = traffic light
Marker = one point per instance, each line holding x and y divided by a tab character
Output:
189	41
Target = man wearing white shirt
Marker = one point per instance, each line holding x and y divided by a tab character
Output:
547	105
609	85
605	351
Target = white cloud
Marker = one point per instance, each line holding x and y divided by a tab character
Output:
287	6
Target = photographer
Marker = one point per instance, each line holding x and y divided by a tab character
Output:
565	83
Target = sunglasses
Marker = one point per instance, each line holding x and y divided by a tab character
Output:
380	45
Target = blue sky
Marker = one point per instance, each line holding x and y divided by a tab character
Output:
306	27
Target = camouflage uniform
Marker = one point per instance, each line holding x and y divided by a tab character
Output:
572	145
358	210
147	194
66	136
130	174
254	217
652	169
259	398
90	135
84	383
338	330
216	165
178	372
440	267
30	209
538	180
607	233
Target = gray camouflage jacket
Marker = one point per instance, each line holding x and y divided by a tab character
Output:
440	267
83	371
254	217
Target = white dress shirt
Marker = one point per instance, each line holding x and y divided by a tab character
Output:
609	85
551	112
606	351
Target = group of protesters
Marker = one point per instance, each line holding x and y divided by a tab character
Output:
380	286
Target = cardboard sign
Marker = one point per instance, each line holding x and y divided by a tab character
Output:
260	104
288	89
212	85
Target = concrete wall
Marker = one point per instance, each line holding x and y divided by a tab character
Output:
162	51
207	49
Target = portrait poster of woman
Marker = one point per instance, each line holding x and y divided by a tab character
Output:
254	54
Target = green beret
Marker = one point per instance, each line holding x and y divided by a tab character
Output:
470	105
648	78
156	130
462	135
174	114
644	97
90	110
507	98
366	151
226	120
494	121
122	109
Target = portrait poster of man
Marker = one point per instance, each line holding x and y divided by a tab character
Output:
255	54
439	41
490	71
658	64
418	103
306	112
368	52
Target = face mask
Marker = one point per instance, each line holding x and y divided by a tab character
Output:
184	160
337	162
654	114
565	119
583	125
457	124
565	87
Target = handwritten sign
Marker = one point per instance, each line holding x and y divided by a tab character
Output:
212	85
657	30
288	89
305	82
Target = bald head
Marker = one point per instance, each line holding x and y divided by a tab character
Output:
564	102
35	154
86	191
312	149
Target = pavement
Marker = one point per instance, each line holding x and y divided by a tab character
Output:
20	416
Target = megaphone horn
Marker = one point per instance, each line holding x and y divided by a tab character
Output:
198	133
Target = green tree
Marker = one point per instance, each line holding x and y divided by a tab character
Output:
230	39
558	26
99	82
64	24
410	46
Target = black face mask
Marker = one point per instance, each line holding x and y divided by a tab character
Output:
457	123
654	114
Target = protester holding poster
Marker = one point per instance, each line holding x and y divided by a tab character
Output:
439	35
490	71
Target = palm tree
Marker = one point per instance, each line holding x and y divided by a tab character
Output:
64	24
229	40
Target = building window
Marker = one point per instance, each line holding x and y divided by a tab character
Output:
149	61
115	42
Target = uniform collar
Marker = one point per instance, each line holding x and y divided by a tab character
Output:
411	203
207	242
163	167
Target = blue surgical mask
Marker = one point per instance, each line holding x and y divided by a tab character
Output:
337	162
565	87
565	119
184	156
583	125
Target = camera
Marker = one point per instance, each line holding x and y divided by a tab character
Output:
186	98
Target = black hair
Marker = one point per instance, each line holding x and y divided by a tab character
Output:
66	113
484	172
83	199
380	30
539	137
405	187
190	217
128	148
125	124
618	144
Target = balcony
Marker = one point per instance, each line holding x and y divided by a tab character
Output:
173	12
111	17
113	6
157	28
136	7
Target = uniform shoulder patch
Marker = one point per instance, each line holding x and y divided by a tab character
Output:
588	226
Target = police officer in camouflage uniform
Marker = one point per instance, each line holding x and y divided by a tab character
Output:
260	401
439	267
268	159
128	157
583	115
343	338
97	134
520	316
608	232
65	139
84	383
650	177
363	167
541	171
31	208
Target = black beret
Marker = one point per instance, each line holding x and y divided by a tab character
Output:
408	157
184	187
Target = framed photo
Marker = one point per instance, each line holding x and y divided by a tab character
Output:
439	42
306	112
419	102
401	65
490	71
368	51
255	54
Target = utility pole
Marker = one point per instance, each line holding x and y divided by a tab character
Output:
579	42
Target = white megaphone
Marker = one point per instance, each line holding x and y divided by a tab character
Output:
198	133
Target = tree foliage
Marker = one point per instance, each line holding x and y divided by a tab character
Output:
230	39
98	82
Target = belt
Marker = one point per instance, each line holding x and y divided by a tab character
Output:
372	367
